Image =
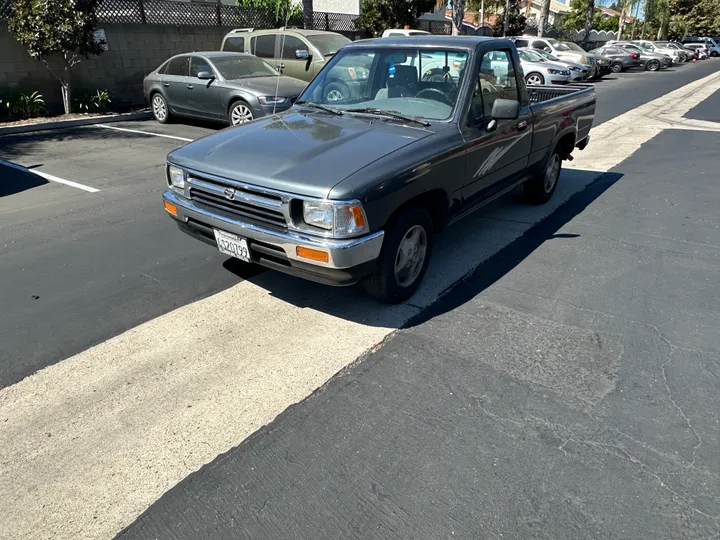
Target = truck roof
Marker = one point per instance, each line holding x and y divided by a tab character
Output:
465	42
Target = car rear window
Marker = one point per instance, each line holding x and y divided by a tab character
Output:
234	44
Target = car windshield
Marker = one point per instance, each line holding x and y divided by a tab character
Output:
547	55
530	56
328	44
559	46
242	67
575	47
417	82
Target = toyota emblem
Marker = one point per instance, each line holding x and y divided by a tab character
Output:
229	193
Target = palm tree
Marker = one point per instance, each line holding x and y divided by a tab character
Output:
307	7
589	15
544	16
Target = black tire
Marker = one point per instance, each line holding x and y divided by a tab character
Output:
158	103
714	54
240	112
384	284
539	189
617	67
336	91
534	77
652	65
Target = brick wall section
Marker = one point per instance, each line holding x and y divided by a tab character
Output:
135	50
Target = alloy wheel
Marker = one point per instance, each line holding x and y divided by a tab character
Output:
159	108
410	256
240	114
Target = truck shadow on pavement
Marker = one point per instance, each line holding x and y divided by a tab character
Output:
14	181
468	257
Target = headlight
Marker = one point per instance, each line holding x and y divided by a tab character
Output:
585	60
176	177
557	72
343	219
271	100
573	68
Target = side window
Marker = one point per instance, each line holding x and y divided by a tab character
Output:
197	65
162	69
522	43
541	45
496	80
234	44
179	66
290	44
263	46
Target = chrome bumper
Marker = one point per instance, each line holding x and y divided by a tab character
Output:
342	254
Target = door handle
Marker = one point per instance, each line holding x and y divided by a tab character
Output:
280	67
166	85
189	86
522	125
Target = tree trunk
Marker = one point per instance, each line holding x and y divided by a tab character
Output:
648	8
458	13
544	16
66	90
589	15
307	7
507	18
621	23
635	18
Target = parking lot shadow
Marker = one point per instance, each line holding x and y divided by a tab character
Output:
14	181
468	257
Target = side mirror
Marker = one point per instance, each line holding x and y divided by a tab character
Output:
302	54
505	109
547	49
205	76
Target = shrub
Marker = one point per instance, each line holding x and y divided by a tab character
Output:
88	102
24	105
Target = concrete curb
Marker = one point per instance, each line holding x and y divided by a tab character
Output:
59	124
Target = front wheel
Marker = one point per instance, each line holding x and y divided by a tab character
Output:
335	92
617	67
240	113
653	65
534	79
539	189
404	258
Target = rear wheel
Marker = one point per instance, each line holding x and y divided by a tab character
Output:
160	109
534	79
617	67
652	65
404	258
336	91
714	54
540	189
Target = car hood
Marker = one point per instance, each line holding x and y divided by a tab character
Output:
570	55
267	86
544	65
305	154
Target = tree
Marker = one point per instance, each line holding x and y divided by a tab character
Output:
308	14
458	14
278	12
379	15
57	28
516	21
576	17
544	16
589	17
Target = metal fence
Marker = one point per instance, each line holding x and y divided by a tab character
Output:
445	28
179	13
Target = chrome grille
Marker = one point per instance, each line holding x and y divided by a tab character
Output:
240	202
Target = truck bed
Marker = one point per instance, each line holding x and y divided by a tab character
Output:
540	93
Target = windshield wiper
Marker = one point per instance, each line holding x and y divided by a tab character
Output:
318	106
391	114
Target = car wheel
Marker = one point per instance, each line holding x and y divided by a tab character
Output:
652	65
617	67
714	54
404	258
336	91
160	110
534	79
240	113
540	189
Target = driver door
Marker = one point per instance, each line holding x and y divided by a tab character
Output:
495	158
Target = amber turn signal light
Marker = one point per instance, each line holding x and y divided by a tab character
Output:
312	254
171	208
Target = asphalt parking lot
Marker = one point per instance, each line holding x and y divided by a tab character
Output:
102	293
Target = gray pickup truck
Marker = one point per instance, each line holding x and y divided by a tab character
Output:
349	187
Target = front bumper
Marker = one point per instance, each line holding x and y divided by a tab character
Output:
557	79
349	260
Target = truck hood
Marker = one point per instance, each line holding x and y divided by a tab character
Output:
305	154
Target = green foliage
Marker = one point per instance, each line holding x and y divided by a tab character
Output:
282	12
93	102
24	105
377	16
516	23
575	17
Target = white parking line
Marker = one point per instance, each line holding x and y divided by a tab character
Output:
50	177
143	132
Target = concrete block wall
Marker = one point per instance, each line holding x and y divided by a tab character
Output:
135	50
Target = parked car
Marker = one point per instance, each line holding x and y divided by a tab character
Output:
560	50
678	57
701	49
621	59
689	53
353	191
651	61
578	72
294	52
536	69
602	63
231	87
710	43
399	32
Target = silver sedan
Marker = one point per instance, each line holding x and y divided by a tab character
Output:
538	71
578	72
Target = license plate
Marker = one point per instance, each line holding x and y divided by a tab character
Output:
233	245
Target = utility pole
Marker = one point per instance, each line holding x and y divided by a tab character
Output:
507	18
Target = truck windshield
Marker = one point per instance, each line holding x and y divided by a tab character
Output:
243	66
557	45
418	82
